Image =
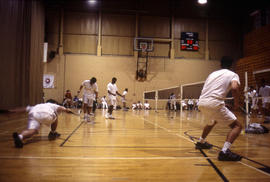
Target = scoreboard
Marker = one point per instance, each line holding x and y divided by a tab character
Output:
189	41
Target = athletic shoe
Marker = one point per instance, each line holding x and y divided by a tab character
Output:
204	145
111	117
17	141
107	116
228	156
85	117
53	135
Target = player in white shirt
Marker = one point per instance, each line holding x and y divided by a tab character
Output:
104	103
147	105
90	94
45	113
124	101
134	106
212	106
264	92
139	105
253	101
190	104
112	92
172	102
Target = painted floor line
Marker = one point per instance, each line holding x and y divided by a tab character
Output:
100	158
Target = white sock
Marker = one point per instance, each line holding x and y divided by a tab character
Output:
202	140
226	146
20	136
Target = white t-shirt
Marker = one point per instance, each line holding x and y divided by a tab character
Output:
124	93
103	99
89	90
190	102
112	88
217	86
44	112
146	105
265	92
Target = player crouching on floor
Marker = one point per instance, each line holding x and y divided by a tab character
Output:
45	113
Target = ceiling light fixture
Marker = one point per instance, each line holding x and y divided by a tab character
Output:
92	1
202	1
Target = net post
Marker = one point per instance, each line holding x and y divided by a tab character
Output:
246	100
156	99
143	97
181	97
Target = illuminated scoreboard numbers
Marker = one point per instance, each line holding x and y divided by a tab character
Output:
189	41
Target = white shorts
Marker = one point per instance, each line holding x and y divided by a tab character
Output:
88	100
112	101
217	113
37	118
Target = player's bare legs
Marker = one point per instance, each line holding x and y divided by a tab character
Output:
28	133
234	133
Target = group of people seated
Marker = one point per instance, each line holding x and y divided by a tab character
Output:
190	104
186	104
68	102
140	106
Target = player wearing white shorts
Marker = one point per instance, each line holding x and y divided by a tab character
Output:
124	101
112	92
147	105
46	113
90	94
104	103
264	92
212	106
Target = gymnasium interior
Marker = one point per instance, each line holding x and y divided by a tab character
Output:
154	48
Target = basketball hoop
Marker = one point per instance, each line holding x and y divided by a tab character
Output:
143	46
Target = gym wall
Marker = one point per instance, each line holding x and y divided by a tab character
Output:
256	57
80	60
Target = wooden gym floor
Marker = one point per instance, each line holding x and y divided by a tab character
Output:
137	146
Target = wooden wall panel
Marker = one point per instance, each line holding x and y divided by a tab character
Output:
52	29
89	24
118	32
53	39
250	64
151	26
188	25
52	21
222	30
80	23
257	41
118	25
117	45
80	44
217	49
258	59
72	23
161	50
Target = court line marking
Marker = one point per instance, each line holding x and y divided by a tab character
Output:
221	175
101	158
254	168
194	142
61	145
